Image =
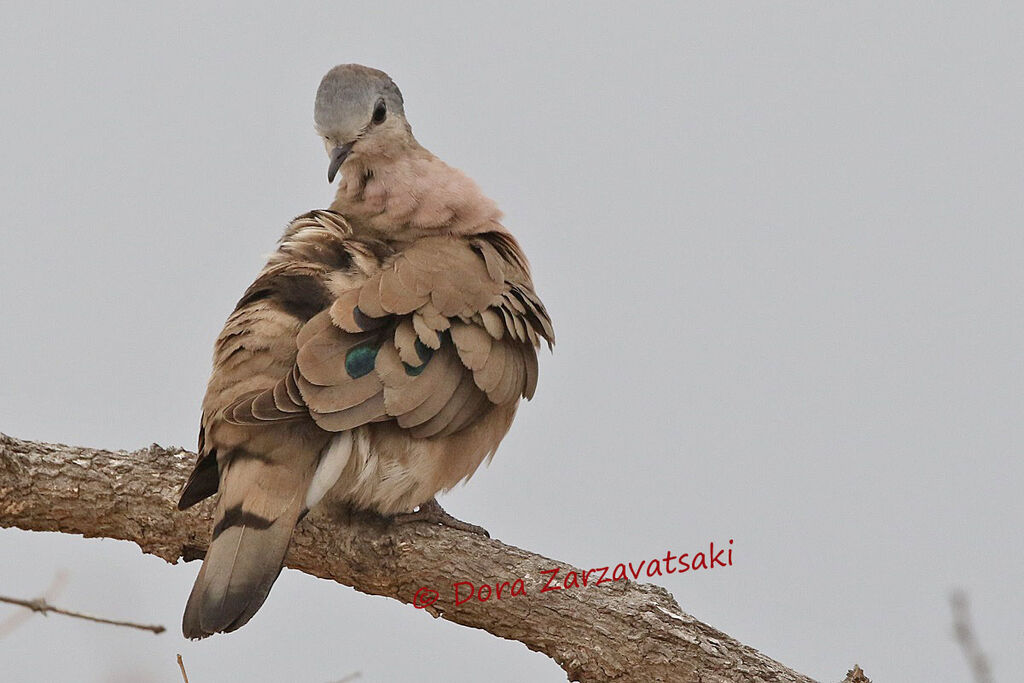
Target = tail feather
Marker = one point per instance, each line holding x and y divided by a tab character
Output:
240	567
259	507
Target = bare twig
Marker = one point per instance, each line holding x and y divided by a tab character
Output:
41	605
964	633
181	665
8	625
351	677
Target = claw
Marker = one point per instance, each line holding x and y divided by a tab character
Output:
431	512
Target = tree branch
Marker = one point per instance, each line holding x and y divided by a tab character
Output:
616	631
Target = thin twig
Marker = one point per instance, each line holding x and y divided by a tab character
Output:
56	587
40	605
964	633
181	665
351	677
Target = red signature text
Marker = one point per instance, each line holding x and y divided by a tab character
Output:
555	579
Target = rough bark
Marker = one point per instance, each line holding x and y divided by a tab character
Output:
621	631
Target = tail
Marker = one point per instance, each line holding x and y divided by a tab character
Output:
259	506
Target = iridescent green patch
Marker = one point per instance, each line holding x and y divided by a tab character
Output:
360	359
425	353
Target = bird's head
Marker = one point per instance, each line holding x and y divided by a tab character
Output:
359	112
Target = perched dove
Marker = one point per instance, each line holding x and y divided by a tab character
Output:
377	360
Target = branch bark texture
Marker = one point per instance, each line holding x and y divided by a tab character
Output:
621	631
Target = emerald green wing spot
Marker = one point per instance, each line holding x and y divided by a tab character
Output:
414	370
425	353
360	359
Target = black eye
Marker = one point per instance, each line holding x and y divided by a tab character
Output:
380	112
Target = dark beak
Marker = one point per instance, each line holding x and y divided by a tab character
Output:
338	156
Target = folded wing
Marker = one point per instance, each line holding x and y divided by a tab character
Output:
443	332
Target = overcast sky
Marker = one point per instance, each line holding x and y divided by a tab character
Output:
781	243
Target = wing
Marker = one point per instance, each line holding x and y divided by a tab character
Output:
443	332
256	347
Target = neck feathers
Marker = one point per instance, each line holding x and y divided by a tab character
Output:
412	195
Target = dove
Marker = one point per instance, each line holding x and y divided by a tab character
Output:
377	360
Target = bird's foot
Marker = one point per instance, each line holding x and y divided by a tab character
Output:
431	512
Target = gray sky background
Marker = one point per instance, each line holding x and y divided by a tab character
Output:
781	243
